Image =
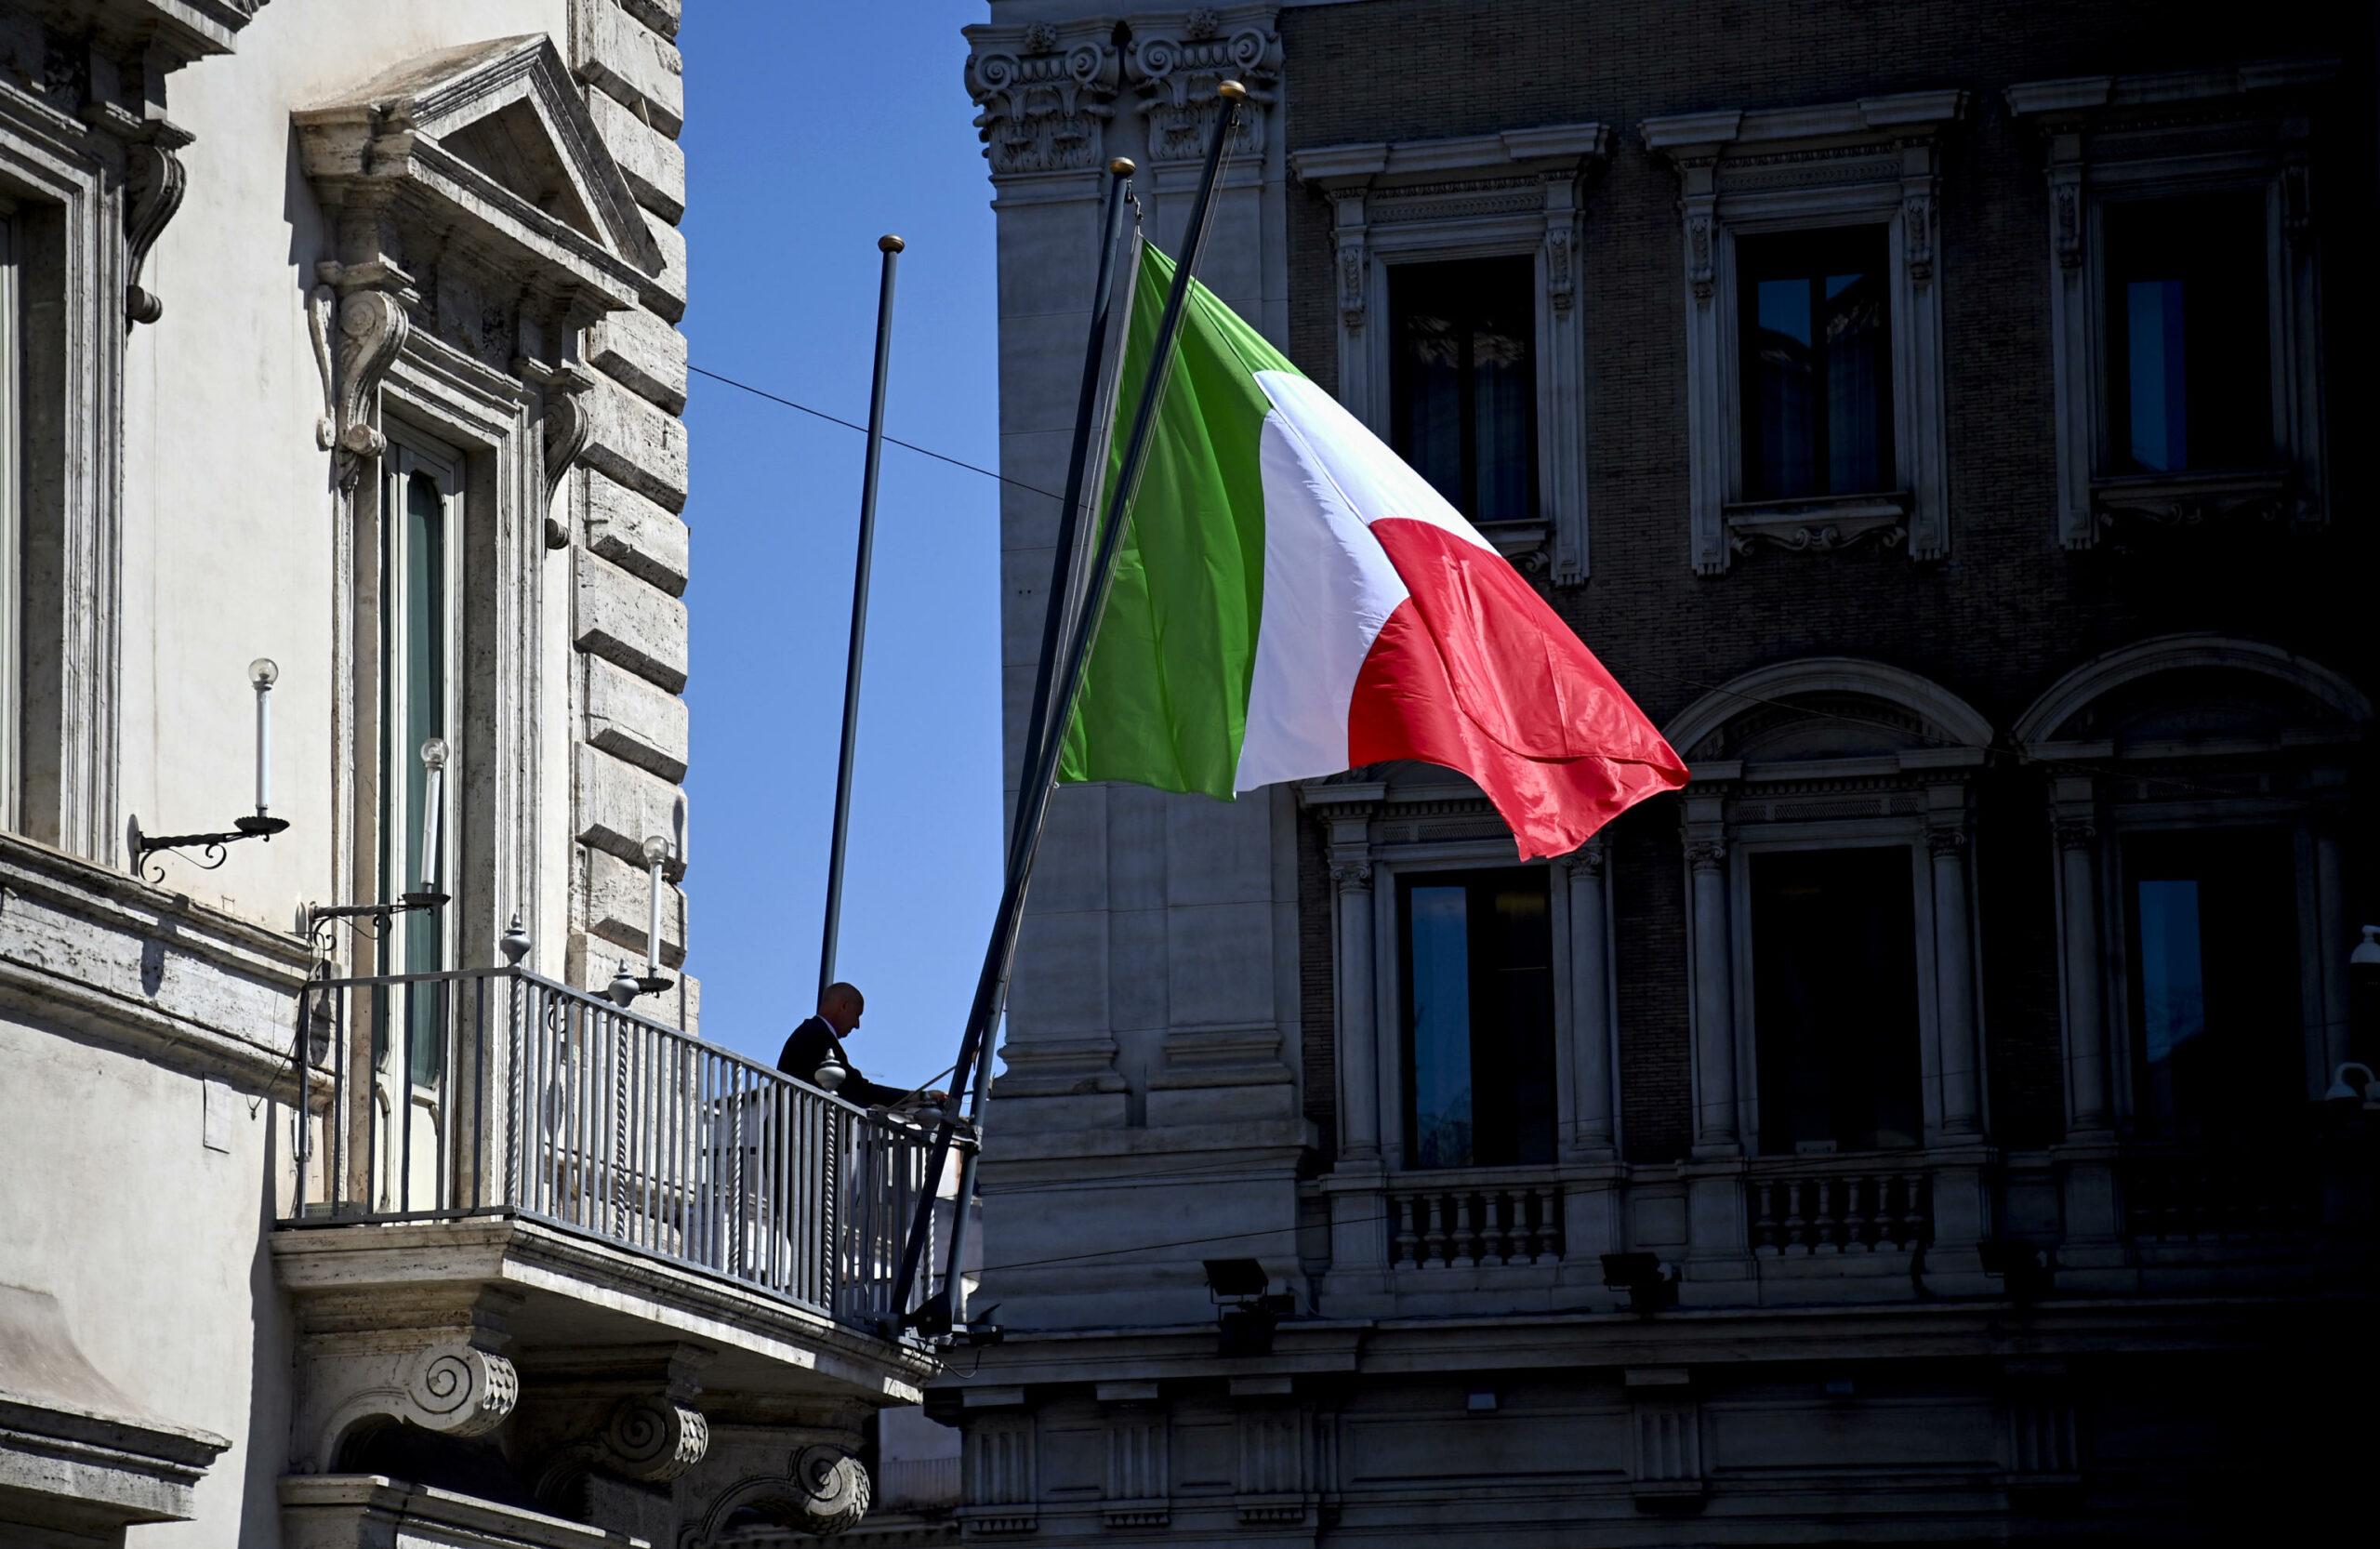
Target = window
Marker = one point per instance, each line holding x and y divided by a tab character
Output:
2216	1038
1478	992
420	589
1834	1000
1463	381
1816	405
1818	366
2190	374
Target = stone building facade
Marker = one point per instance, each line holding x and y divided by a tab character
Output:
1939	1122
341	340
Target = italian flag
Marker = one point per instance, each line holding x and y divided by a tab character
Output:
1291	599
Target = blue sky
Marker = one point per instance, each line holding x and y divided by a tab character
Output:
811	131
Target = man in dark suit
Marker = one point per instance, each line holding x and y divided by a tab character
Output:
837	1018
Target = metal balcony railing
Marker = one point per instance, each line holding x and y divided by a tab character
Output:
496	1091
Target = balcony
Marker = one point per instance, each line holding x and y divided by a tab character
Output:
522	1197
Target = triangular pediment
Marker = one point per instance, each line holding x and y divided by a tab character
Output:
505	120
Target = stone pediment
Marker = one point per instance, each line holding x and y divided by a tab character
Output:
484	153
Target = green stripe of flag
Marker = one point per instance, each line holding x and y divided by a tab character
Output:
1165	699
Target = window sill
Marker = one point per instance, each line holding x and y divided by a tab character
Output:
2200	499
1521	542
1821	524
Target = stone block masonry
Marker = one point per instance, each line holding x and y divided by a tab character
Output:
631	563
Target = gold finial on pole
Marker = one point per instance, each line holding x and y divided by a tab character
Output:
1122	167
1232	90
888	243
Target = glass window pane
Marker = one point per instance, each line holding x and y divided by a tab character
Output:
416	691
2188	375
1816	321
1463	381
1478	980
2217	1045
1834	1000
1438	1006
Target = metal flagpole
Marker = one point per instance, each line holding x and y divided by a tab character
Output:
891	247
1058	618
991	987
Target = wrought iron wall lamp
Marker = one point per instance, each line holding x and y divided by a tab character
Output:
319	918
262	674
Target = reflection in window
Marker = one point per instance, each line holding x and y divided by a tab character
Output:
2189	375
1834	1000
1818	367
1478	985
2215	1010
1463	381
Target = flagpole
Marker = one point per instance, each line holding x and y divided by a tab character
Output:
891	247
991	987
1058	617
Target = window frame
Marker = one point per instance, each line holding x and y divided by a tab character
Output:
410	453
1400	893
1790	170
1749	840
1745	438
1520	192
1467	391
2113	139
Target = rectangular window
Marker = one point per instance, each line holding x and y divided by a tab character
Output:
1477	964
1834	1000
1463	381
2189	370
1816	321
421	596
2218	1043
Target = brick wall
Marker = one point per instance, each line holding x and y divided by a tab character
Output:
2009	610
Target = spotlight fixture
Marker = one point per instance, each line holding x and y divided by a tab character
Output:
1250	1309
1650	1284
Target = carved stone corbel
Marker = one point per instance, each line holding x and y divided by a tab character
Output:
620	1412
371	324
567	424
156	182
442	1369
804	1479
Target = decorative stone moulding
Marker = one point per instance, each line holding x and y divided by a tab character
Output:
471	197
1174	65
1878	160
2103	138
1047	92
1520	192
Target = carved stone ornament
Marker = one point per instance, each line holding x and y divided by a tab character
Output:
1045	96
1825	537
654	1440
459	1390
1175	70
371	328
1585	861
1706	855
1945	841
2077	833
156	182
501	247
567	425
1352	876
818	1489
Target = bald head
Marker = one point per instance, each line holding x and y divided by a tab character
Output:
840	1006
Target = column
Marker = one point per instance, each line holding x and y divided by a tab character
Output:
1358	1033
1960	1053
1714	1004
1591	1097
2086	1076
